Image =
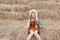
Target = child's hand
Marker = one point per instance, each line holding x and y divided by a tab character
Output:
36	26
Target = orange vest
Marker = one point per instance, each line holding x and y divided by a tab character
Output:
33	26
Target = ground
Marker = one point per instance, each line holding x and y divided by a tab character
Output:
17	30
14	17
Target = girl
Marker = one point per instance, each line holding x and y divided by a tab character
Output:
33	17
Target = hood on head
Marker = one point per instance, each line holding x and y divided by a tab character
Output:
34	11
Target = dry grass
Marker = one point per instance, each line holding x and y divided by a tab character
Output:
46	9
15	12
16	30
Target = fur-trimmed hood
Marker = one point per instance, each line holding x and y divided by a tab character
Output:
30	15
35	12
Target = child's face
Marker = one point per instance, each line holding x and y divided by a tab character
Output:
33	14
32	19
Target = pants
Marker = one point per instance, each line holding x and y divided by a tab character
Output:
35	33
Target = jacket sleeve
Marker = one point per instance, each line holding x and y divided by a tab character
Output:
40	24
27	25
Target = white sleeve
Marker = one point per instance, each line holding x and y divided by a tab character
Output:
27	25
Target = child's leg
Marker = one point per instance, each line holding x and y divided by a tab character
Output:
37	35
30	35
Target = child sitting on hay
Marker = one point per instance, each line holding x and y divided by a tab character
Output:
34	25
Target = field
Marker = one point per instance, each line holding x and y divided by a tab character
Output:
14	17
